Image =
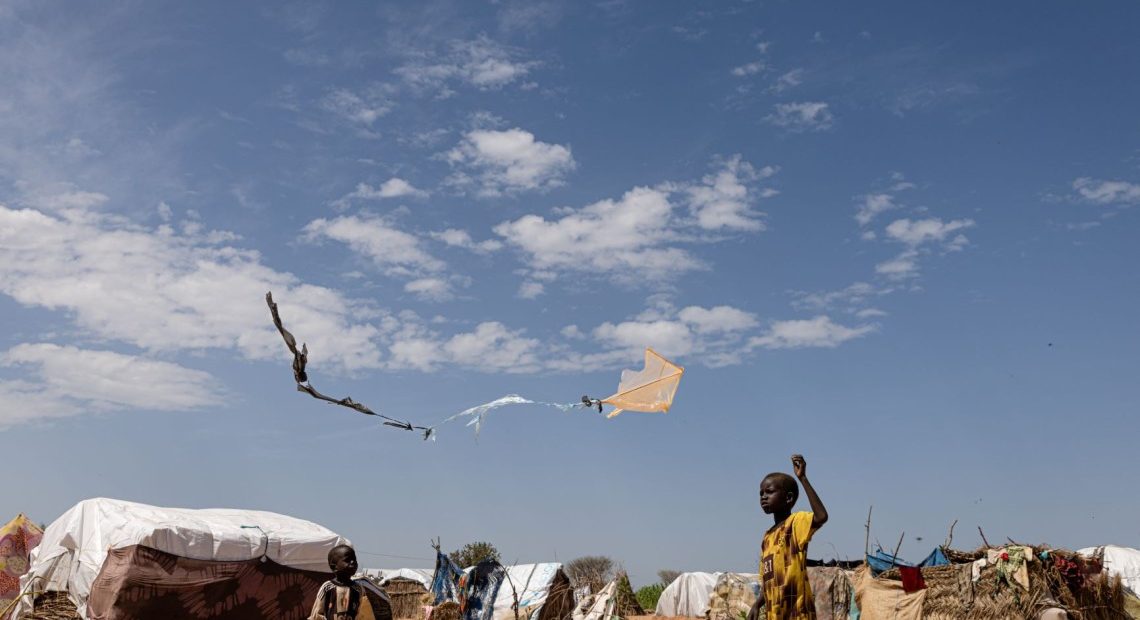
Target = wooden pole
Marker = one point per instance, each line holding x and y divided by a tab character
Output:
895	556
867	536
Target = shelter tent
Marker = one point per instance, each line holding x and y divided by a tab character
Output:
17	539
733	596
405	587
120	559
543	591
688	595
1122	561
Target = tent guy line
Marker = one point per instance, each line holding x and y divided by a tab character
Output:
649	390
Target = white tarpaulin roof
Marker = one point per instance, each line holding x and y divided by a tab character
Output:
688	595
421	575
75	545
530	581
1122	561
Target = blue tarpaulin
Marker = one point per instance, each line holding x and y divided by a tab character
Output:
445	581
880	560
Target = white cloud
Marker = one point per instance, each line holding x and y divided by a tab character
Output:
671	338
508	162
820	331
918	232
529	15
751	68
626	238
432	289
481	63
572	332
394	187
635	239
494	346
900	267
805	116
71	380
163	291
717	319
394	251
531	289
872	205
462	239
723	201
789	80
68	200
490	347
870	313
854	295
1102	192
363	109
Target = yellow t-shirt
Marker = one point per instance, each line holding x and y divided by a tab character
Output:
783	569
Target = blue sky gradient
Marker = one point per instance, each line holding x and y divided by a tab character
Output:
899	239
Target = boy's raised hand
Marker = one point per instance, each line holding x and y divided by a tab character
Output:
799	465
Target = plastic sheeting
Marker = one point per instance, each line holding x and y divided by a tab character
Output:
530	581
600	606
445	580
419	575
1123	561
17	539
75	546
881	561
650	389
688	595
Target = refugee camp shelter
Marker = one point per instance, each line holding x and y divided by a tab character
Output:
616	599
405	587
543	592
116	559
17	538
1119	561
688	595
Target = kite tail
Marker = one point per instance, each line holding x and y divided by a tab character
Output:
478	413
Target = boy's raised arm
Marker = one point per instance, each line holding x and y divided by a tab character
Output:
818	511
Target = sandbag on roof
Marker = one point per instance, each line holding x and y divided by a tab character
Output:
76	546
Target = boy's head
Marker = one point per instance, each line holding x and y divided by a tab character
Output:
342	561
778	493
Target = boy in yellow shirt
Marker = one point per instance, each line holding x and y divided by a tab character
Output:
784	589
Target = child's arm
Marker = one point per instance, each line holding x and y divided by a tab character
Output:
819	513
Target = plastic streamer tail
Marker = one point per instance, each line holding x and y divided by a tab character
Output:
478	413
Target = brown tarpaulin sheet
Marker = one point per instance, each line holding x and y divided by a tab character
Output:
140	583
880	599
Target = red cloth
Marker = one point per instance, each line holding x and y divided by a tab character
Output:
912	579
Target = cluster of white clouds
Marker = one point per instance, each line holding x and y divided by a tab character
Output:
480	62
801	117
494	163
67	380
638	236
1101	192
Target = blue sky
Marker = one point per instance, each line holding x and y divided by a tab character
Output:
898	239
